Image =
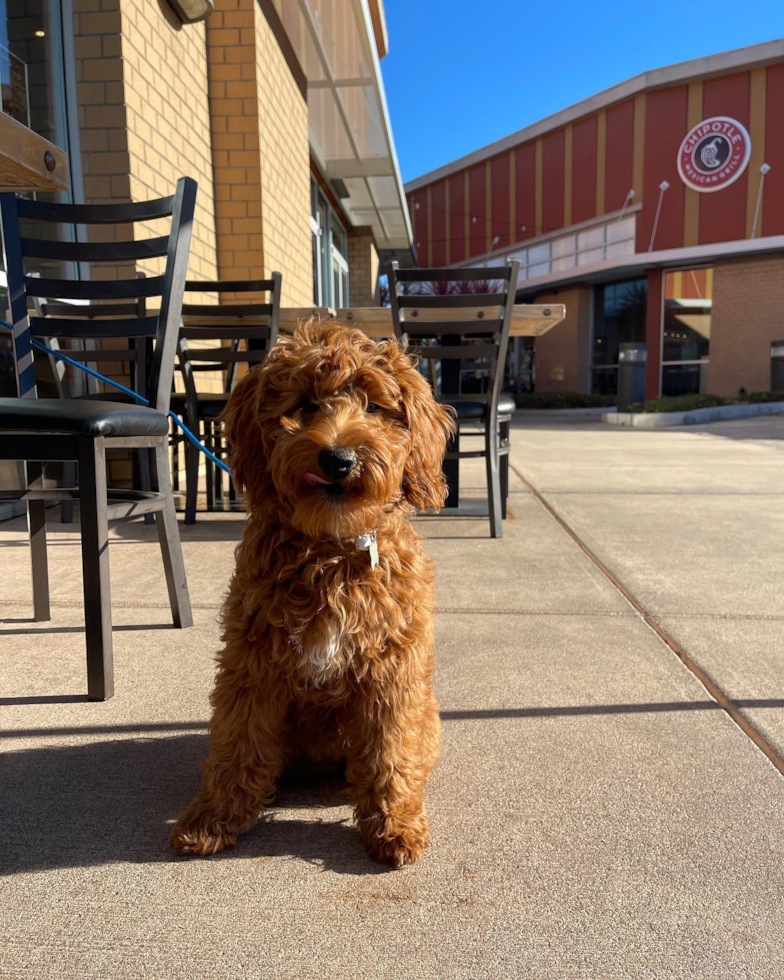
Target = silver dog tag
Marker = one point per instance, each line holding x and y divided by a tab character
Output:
369	543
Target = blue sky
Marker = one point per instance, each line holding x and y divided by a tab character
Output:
462	73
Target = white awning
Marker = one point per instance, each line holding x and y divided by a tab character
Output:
350	133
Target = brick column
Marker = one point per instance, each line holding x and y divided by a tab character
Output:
362	267
236	163
261	168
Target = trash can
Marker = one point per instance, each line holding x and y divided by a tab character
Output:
777	365
632	361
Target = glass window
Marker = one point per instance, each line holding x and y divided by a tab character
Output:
315	231
618	318
32	80
688	299
330	253
538	260
339	280
339	238
34	37
621	231
564	253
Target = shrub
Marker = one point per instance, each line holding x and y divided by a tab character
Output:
562	399
679	403
755	397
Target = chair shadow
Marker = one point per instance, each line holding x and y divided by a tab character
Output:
116	628
106	802
45	699
206	528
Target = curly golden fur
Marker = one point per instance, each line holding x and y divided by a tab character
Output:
324	657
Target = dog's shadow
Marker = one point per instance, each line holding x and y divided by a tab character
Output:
105	802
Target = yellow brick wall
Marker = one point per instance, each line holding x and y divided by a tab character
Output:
101	101
285	170
235	139
260	153
562	355
748	299
167	117
143	113
363	266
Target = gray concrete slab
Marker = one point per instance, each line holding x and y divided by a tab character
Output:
689	522
692	523
592	816
586	457
697	553
530	568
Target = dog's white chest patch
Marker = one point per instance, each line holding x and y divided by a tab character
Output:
318	649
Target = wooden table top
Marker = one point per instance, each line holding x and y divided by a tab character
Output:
28	162
528	319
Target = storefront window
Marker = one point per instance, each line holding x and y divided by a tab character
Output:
618	318
688	298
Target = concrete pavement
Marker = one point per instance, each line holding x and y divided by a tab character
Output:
595	814
692	523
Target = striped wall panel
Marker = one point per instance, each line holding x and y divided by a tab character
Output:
586	169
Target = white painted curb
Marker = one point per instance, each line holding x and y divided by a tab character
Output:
659	420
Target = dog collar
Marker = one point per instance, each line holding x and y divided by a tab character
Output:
369	542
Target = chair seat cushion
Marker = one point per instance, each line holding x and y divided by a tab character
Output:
211	403
81	417
477	410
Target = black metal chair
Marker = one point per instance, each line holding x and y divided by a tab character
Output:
436	321
135	354
243	333
38	430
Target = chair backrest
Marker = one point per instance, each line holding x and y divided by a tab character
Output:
112	307
445	320
135	355
230	333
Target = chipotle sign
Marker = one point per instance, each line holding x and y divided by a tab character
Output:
713	154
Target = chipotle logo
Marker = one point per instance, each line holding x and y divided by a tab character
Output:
713	154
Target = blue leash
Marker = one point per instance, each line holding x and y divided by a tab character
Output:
115	384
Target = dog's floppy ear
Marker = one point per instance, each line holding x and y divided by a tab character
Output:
430	425
241	425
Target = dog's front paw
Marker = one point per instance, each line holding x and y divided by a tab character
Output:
395	842
204	837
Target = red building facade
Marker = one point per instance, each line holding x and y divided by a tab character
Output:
593	202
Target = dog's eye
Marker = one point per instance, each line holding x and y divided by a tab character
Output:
308	405
372	408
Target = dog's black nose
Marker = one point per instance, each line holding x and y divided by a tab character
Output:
337	463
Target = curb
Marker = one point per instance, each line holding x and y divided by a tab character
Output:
659	420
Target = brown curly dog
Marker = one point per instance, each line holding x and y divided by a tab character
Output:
328	643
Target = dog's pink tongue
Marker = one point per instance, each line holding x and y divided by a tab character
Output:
315	480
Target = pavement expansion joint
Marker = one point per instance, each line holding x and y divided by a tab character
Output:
711	687
591	613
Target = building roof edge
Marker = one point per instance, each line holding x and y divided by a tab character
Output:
754	55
